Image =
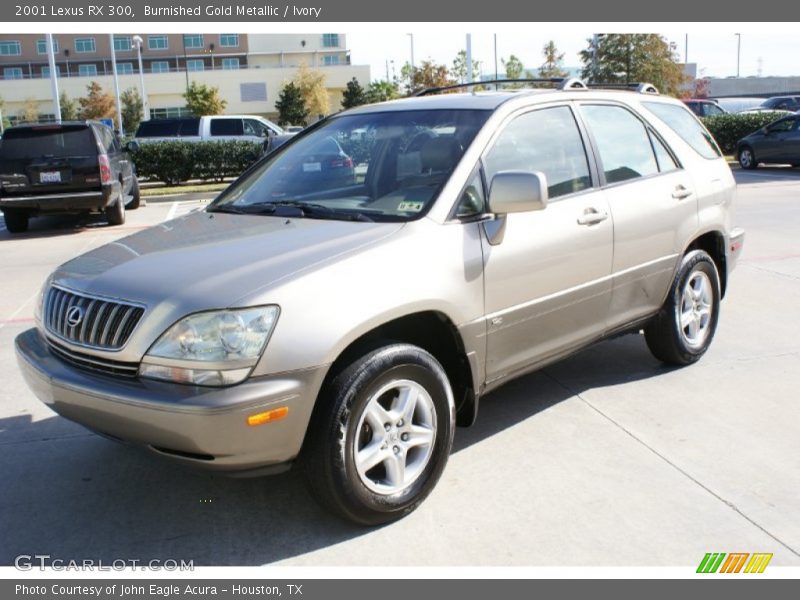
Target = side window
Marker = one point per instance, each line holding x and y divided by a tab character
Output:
687	126
663	157
546	140
472	201
622	142
780	126
221	127
256	128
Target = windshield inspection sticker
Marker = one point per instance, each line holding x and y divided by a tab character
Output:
410	206
312	167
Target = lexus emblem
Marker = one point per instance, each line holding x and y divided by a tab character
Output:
74	316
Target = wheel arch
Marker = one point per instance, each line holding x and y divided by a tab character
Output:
713	243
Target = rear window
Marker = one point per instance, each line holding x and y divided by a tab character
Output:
687	126
227	127
168	128
51	141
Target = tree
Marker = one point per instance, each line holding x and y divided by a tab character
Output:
628	58
514	67
132	109
427	75
97	104
203	100
381	91
459	70
312	87
354	95
6	122
69	107
291	106
551	67
30	111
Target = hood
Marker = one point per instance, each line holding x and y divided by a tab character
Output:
210	260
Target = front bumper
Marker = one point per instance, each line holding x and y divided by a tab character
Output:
202	426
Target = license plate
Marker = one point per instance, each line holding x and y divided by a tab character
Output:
50	177
312	167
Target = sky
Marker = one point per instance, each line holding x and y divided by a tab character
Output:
715	53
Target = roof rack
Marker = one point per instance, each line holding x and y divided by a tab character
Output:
641	88
561	83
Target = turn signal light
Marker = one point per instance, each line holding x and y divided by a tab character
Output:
276	414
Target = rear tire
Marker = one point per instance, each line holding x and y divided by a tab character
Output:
747	158
136	196
16	220
381	435
115	213
682	330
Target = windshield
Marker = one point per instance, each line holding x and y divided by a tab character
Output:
378	166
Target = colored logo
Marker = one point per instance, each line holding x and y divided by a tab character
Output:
735	562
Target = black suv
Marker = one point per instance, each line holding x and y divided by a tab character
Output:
70	167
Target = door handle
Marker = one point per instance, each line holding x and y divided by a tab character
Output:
591	216
680	192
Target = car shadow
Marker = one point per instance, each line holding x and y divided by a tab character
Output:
73	495
764	174
53	226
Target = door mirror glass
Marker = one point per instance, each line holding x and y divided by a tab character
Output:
517	191
132	146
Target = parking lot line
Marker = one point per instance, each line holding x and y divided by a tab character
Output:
172	210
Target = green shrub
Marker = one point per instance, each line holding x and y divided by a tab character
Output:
175	161
729	129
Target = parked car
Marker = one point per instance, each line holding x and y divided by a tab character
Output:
210	128
705	108
70	167
349	328
790	103
777	143
737	104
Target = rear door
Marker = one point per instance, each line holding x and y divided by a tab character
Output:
653	203
775	145
49	158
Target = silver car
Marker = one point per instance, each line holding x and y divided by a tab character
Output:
344	311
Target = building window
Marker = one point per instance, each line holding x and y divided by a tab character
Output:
253	92
193	41
122	43
157	42
87	70
170	113
195	65
124	68
330	59
229	40
12	73
230	63
330	40
10	48
46	71
41	46
85	45
159	66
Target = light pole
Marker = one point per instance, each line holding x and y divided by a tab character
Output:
116	83
738	52
51	61
139	42
411	35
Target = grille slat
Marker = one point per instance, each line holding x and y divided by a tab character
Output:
105	324
92	363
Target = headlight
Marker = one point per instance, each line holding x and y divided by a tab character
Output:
211	348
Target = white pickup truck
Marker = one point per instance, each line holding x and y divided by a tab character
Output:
212	128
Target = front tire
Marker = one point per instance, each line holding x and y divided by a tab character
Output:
747	158
381	435
16	220
683	329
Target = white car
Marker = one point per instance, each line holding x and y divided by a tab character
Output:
215	128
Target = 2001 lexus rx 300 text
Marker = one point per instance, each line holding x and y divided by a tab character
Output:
347	301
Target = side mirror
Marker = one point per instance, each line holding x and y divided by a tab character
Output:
132	146
517	191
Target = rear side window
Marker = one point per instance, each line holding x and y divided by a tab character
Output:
545	140
157	128
622	141
226	127
685	125
51	141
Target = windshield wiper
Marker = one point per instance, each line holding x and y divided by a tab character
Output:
306	209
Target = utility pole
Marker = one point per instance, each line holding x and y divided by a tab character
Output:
51	60
738	52
495	60
469	58
595	40
413	65
116	83
137	39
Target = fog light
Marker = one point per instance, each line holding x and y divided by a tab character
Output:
276	414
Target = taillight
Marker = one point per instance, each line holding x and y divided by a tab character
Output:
342	163
105	168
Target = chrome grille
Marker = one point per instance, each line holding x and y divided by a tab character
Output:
90	321
93	363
